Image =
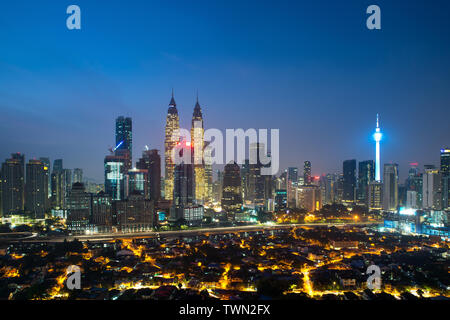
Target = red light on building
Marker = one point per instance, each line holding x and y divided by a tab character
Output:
414	164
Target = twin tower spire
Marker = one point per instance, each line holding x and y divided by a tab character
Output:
197	140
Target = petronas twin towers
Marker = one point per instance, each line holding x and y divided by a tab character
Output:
202	172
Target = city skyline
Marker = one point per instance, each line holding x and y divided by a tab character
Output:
69	98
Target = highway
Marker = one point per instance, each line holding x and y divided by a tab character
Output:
180	233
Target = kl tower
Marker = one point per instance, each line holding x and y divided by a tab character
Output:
377	137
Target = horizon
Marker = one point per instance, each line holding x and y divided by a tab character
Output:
315	72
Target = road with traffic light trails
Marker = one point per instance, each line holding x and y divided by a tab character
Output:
101	237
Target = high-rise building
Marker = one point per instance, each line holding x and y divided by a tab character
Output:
411	200
46	162
431	188
231	194
375	196
259	185
445	177
280	199
151	161
136	182
377	137
57	165
307	173
78	209
207	155
366	174
292	183
414	183
135	214
309	198
36	188
124	137
217	187
77	175
13	184
115	170
245	179
197	140
390	187
184	183
349	182
170	141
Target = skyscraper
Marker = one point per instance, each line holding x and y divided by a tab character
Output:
61	183
431	188
375	196
257	184
13	183
349	180
36	188
183	182
77	175
307	172
46	162
445	176
115	170
197	139
207	156
170	141
292	183
377	137
124	137
151	161
231	194
414	184
136	182
366	174
390	187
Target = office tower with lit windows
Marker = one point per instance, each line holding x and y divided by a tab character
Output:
46	162
136	182
431	188
258	184
78	209
56	184
445	177
292	183
414	183
217	187
307	173
77	175
349	180
309	198
183	181
207	155
377	136
170	141
245	178
124	137
366	174
36	188
375	196
197	140
390	187
151	161
231	194
115	170
13	184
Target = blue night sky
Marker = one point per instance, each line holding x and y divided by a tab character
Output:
310	68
